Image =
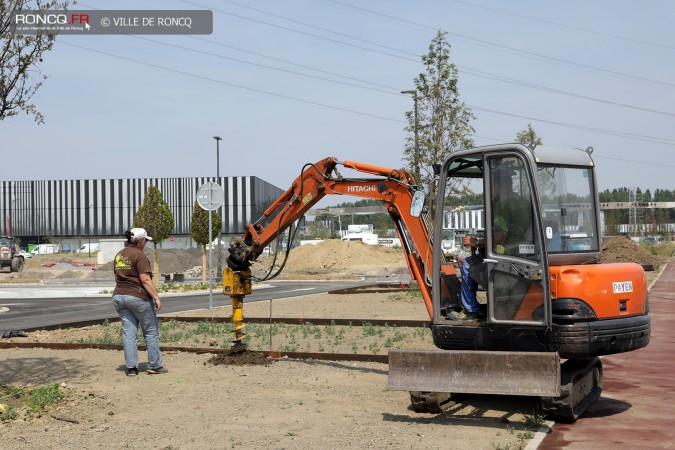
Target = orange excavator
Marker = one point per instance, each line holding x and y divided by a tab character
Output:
546	296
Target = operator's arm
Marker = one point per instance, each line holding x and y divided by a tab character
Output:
475	243
150	288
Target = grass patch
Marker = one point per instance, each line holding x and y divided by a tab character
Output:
534	421
34	402
307	337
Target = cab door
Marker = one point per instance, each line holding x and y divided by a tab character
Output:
514	256
518	290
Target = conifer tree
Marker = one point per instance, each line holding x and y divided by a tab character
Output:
443	120
156	217
199	230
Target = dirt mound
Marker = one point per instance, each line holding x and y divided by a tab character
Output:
172	260
33	275
623	249
333	259
343	255
179	260
72	274
239	358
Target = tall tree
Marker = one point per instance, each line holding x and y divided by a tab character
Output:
156	217
528	136
20	55
199	230
443	121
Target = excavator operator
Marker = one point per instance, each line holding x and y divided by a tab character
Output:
510	219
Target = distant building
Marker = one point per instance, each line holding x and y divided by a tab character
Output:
105	208
464	218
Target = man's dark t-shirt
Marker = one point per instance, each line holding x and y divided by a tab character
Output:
130	262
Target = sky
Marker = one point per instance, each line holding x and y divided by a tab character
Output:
285	83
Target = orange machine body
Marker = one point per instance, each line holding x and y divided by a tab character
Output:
597	285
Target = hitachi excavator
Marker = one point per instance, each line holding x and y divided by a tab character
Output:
550	307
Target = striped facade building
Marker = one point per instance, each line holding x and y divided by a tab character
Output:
105	208
464	218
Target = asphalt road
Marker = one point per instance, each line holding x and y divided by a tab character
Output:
40	306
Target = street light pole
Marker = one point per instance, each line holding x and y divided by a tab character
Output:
89	230
9	218
220	260
417	146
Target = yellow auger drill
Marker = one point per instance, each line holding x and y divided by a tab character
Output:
237	284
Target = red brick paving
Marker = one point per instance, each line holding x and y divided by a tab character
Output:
637	407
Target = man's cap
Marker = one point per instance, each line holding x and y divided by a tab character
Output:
140	233
503	172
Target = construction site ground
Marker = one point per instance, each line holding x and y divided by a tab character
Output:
294	404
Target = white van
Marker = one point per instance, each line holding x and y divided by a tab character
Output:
89	248
45	249
366	238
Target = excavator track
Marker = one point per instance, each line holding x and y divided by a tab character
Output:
430	402
581	386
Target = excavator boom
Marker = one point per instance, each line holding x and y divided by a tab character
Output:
394	188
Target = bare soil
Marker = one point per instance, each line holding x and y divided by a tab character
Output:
229	402
224	401
623	249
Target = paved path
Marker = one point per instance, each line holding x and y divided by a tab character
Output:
637	407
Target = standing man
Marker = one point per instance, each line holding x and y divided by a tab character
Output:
137	301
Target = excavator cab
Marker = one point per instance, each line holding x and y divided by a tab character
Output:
513	263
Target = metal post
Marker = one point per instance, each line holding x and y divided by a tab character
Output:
210	257
89	227
219	275
10	222
417	145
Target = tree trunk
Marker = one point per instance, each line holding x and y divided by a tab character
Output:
155	261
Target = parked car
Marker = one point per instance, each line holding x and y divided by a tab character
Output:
25	254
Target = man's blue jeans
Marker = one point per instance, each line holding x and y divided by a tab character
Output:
469	288
135	311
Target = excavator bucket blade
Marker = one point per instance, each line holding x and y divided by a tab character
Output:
476	372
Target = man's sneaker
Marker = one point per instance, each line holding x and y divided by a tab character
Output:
157	371
131	371
464	315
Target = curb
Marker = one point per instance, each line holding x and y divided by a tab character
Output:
540	435
658	275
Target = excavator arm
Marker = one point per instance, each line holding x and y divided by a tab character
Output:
315	182
394	188
304	193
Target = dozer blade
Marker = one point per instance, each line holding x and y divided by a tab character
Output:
475	372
